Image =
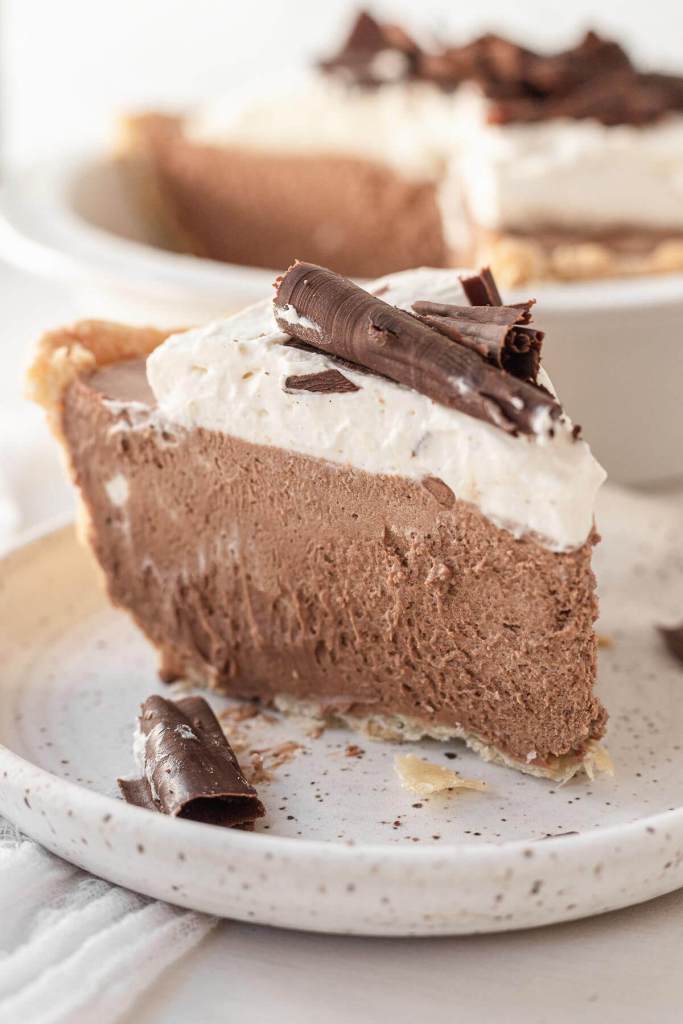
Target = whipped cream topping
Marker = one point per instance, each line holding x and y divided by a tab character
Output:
407	126
575	174
560	172
229	376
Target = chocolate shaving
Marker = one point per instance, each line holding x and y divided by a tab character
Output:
337	317
673	639
505	70
327	382
593	79
190	769
374	53
623	97
482	290
520	349
344	363
492	331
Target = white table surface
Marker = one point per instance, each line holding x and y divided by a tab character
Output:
624	967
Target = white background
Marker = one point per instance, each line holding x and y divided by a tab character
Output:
66	68
68	65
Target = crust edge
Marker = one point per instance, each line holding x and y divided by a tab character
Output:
67	353
593	759
517	260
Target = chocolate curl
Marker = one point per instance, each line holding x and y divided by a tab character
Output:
362	60
593	79
366	35
190	769
505	70
590	59
492	331
621	97
481	289
490	60
335	316
673	639
370	36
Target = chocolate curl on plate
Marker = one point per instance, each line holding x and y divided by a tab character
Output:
673	639
496	332
333	315
190	769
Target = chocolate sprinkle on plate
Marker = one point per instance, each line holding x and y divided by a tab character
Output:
190	769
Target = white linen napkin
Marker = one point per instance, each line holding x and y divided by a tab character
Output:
74	948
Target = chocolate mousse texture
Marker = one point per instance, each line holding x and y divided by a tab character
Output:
248	206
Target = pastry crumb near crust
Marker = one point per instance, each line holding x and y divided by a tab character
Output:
425	778
517	260
247	728
592	760
604	640
597	761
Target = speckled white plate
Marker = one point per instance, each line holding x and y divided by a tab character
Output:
343	848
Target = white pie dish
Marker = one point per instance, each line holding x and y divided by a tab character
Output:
612	347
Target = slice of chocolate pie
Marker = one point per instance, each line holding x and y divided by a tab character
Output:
366	504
